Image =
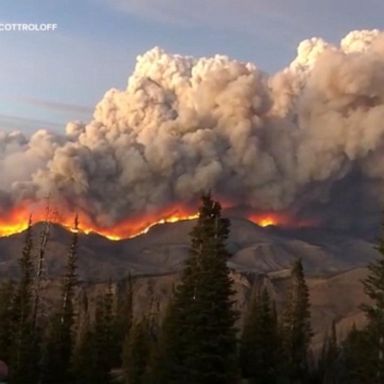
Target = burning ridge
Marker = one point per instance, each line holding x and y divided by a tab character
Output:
17	221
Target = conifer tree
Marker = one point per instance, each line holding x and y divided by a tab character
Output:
7	291
358	358
260	351
60	341
198	342
44	235
328	369
137	351
124	318
374	289
165	365
24	362
104	336
297	331
83	356
93	356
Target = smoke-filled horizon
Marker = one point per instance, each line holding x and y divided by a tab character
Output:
307	140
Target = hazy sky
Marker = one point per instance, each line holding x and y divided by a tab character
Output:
47	79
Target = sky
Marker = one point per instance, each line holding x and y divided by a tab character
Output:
50	78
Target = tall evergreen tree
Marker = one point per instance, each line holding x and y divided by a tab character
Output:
93	355
60	341
124	318
297	331
104	336
374	289
137	351
357	358
329	364
260	351
24	364
44	235
83	356
7	291
198	342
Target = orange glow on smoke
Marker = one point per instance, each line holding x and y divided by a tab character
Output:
16	221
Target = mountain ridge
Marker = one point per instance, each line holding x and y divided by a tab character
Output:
164	248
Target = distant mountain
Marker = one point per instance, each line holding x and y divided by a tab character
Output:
334	264
164	248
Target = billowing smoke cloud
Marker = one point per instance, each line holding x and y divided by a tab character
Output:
308	139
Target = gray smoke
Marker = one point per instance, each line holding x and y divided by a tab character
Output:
309	139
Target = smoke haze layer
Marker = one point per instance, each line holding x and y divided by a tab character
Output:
307	140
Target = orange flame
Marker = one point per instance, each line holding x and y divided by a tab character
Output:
16	221
266	219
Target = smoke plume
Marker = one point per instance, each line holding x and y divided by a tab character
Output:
307	140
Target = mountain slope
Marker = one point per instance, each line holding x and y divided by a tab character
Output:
164	248
333	264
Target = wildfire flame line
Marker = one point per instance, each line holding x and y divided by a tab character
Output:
16	221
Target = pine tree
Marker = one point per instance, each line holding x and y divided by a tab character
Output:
104	336
124	318
60	341
83	355
93	355
374	289
24	363
7	291
328	369
137	351
198	343
165	361
44	236
260	351
297	331
357	358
